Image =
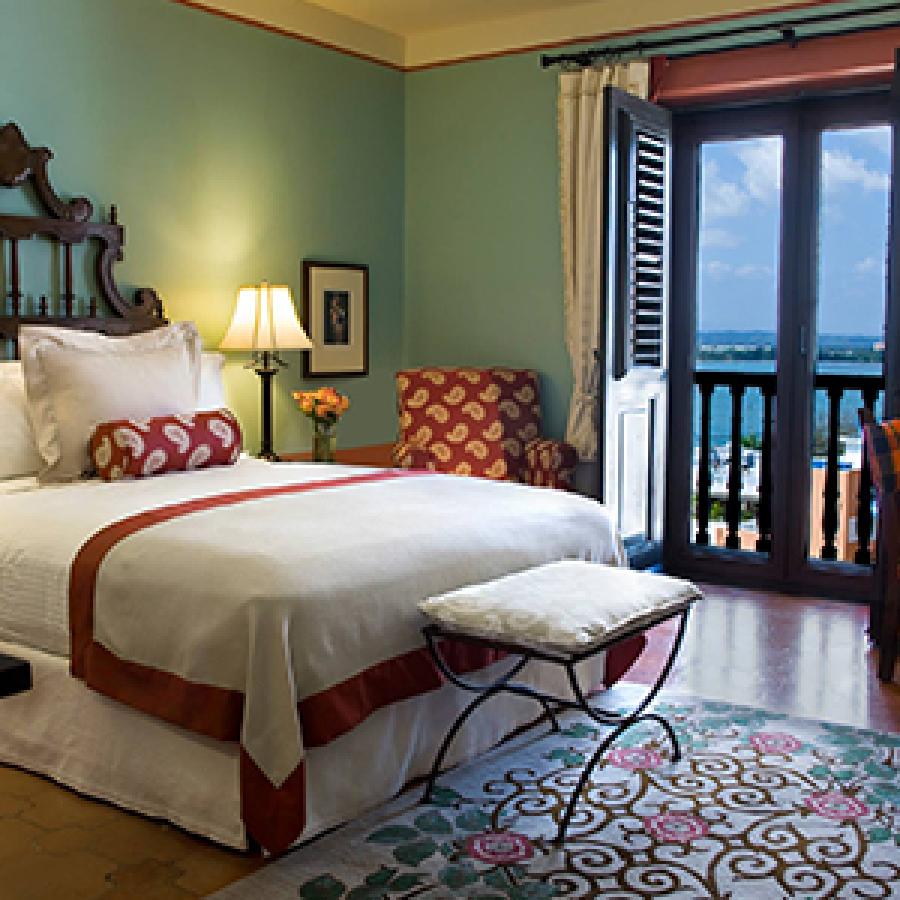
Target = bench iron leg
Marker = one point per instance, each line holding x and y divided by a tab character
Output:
625	723
620	722
489	691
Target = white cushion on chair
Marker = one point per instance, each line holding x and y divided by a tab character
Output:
570	605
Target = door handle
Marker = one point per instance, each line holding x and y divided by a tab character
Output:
803	340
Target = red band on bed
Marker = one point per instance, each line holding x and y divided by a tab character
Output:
274	817
83	577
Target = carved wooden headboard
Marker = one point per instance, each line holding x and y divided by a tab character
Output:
66	225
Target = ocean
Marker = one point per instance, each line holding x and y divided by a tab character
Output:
720	423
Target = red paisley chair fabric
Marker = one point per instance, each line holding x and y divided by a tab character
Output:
482	422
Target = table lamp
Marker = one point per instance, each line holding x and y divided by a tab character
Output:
265	322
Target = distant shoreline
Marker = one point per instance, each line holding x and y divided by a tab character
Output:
831	354
761	346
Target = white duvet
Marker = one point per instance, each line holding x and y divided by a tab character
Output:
332	577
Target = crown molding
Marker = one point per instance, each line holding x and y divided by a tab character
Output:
598	20
595	22
312	24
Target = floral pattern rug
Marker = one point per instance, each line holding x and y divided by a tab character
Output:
761	806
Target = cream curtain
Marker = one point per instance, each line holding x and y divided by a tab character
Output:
580	123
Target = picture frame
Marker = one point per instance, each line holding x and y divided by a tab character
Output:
336	318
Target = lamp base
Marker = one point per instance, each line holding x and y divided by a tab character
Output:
266	365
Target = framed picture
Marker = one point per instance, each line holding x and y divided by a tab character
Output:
336	318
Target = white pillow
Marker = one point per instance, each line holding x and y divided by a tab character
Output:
212	388
76	380
19	455
18	451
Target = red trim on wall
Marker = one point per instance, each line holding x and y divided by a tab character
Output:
624	33
284	32
815	65
512	51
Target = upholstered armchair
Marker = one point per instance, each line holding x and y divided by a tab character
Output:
483	422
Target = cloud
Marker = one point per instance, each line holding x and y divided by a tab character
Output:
721	198
760	180
719	237
718	269
715	268
750	270
840	169
880	138
868	266
762	167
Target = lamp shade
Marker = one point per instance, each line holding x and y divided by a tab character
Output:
265	319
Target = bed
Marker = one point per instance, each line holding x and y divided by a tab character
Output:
229	648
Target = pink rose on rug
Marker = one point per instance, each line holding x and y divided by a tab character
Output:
634	758
837	806
680	828
499	848
774	742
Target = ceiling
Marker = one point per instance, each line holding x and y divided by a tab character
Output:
416	34
409	17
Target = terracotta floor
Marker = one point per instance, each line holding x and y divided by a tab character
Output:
799	655
803	656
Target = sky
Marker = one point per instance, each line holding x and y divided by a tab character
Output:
740	213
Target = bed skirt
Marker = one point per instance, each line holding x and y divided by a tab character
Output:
106	750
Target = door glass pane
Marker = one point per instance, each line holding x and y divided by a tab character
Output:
854	193
737	315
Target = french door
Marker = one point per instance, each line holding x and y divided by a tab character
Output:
780	307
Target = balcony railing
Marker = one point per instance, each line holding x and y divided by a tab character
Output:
832	388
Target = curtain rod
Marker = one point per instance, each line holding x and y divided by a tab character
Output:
787	33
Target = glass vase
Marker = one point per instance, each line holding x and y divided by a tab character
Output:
324	443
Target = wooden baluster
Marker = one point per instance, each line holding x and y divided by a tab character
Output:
43	307
16	287
764	516
703	475
831	494
733	505
68	296
863	555
92	308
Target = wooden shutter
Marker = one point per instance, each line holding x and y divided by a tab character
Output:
639	138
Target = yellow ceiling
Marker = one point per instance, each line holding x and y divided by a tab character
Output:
411	34
409	17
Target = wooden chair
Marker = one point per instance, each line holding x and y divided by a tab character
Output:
883	450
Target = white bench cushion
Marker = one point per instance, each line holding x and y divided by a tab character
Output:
570	605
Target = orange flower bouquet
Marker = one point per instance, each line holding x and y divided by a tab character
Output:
325	407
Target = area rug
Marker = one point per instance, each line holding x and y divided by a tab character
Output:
761	806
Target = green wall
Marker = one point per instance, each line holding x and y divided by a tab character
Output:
483	262
232	154
483	256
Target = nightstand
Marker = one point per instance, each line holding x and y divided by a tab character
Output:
376	455
15	675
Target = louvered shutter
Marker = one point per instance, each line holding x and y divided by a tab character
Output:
639	146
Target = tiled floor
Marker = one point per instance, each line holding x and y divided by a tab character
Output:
799	655
804	656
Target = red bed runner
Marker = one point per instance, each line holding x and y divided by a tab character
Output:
274	817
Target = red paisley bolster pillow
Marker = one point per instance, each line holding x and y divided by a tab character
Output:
178	443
